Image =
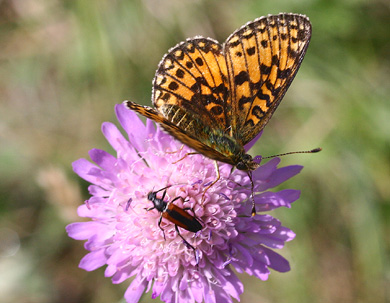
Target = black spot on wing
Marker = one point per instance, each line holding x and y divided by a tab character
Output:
217	110
173	85
180	73
258	112
199	61
166	96
244	100
284	73
264	69
242	77
251	51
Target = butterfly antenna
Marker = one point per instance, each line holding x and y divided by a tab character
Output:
315	150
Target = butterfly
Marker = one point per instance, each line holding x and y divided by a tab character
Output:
216	98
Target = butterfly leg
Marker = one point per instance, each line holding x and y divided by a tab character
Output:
187	154
176	151
252	195
215	181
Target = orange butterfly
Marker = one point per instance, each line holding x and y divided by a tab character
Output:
216	98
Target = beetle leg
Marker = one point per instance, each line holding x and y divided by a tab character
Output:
188	244
162	229
163	195
177	198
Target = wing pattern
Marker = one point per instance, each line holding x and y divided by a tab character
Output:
193	76
262	59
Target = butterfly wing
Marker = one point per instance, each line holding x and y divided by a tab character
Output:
193	76
263	58
188	130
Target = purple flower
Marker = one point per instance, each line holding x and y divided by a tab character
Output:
126	237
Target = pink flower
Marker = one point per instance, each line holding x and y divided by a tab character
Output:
126	237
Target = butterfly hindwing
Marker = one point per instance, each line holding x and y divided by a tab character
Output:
187	131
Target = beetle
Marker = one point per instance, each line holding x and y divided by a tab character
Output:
175	214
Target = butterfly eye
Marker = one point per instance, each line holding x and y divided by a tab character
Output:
246	163
242	166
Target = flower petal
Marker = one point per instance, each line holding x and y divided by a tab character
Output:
93	260
277	262
115	138
283	174
103	158
134	127
265	171
83	167
269	200
81	230
135	290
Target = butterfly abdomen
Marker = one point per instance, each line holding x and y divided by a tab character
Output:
226	145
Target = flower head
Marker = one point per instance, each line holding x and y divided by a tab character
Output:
124	232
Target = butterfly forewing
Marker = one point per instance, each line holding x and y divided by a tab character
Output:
193	76
262	59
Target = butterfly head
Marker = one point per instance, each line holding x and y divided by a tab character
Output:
246	163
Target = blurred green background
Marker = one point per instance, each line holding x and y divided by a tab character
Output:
65	64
